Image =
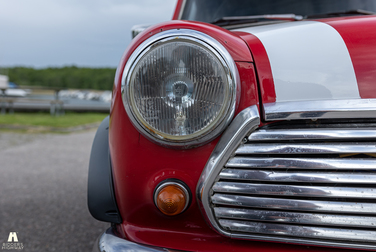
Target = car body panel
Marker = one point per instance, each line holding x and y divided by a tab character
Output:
139	164
308	57
359	34
342	66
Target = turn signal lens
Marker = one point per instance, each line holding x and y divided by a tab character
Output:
171	198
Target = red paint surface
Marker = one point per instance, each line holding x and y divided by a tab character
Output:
237	48
179	5
249	90
263	69
359	34
139	166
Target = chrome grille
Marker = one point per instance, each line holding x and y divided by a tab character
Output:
306	185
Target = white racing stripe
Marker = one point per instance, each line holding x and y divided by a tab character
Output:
309	61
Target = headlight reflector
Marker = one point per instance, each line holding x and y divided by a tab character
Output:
180	89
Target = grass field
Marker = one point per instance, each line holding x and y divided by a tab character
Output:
70	119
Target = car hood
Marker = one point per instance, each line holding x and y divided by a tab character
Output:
323	63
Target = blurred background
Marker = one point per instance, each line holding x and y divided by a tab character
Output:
69	46
57	64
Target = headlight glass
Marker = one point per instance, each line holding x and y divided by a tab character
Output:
179	90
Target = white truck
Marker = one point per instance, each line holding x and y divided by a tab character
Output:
4	82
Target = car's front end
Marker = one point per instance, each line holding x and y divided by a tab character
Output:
255	137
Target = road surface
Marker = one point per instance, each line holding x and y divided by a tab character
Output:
43	191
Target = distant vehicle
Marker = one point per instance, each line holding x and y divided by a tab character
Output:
104	96
11	88
242	125
4	82
12	85
15	92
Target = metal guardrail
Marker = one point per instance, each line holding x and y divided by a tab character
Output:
6	103
55	105
10	104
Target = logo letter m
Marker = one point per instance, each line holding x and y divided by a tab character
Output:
12	237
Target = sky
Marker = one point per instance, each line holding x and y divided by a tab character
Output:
86	33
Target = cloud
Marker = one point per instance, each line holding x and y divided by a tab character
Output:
63	32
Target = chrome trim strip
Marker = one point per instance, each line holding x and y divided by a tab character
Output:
312	134
295	217
307	148
244	123
295	190
299	177
301	163
210	44
182	9
109	242
322	109
296	205
300	231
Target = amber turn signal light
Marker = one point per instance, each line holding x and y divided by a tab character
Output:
171	198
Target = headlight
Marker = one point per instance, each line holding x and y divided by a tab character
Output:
179	88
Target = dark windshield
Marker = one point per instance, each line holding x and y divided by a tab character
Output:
212	10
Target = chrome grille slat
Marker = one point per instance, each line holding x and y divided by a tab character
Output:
312	134
294	204
301	163
298	177
317	219
307	148
294	191
312	185
299	231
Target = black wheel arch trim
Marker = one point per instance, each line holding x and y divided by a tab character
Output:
101	197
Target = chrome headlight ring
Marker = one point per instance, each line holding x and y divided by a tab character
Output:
178	89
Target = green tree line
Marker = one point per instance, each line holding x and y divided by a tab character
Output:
64	77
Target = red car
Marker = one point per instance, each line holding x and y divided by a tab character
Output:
242	125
